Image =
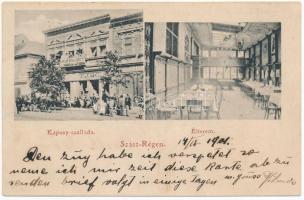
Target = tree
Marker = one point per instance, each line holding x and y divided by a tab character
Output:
47	79
113	73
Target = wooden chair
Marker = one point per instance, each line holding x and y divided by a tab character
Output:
250	92
194	106
272	109
258	100
265	101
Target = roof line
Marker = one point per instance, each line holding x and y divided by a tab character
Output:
114	20
77	23
28	54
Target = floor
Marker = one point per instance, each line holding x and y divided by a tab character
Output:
235	105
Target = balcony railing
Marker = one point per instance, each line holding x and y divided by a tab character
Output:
90	61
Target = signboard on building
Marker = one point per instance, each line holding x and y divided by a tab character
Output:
84	76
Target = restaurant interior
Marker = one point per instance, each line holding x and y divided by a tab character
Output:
235	74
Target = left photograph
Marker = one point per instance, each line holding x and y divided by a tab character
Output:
79	65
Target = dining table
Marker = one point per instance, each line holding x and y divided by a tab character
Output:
206	96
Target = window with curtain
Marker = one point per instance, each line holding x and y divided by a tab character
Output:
172	39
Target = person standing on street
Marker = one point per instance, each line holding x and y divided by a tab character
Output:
18	104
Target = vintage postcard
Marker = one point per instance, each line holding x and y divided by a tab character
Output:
151	99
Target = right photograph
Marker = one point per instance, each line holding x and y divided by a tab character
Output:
213	71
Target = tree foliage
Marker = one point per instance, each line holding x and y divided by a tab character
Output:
47	79
113	73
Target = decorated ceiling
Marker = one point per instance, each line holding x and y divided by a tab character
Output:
233	35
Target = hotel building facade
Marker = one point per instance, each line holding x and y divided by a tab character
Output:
81	49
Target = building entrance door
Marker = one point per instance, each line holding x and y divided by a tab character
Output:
67	87
95	87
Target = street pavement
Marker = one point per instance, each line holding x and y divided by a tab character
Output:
74	114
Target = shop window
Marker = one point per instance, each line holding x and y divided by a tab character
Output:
172	39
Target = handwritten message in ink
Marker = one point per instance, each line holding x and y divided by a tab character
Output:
196	161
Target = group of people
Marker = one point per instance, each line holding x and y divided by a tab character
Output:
107	105
21	103
25	103
82	102
102	105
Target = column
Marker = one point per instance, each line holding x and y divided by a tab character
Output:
114	90
75	89
100	87
90	88
249	65
136	84
276	66
269	58
261	46
166	78
195	68
178	77
185	77
254	63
